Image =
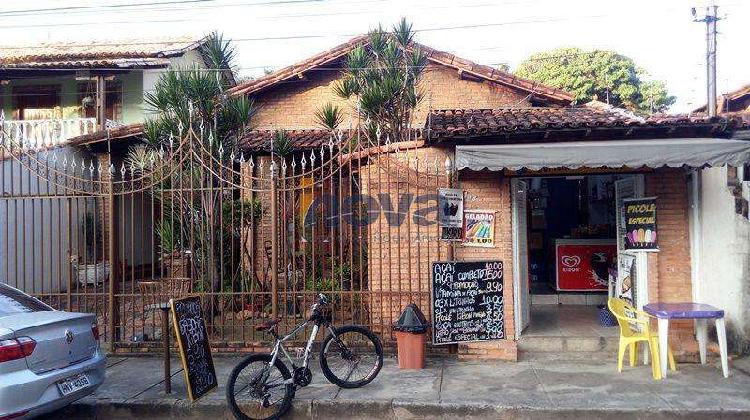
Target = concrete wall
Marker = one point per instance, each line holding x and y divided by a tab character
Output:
724	277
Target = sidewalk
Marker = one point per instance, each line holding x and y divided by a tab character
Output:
448	389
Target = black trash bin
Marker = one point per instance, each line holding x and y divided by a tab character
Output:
411	333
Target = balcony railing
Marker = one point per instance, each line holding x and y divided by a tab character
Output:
38	134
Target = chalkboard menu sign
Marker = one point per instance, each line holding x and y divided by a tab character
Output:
467	301
195	352
640	224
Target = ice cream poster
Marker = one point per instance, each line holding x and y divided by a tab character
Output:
479	228
640	224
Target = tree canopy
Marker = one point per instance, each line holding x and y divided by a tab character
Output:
600	75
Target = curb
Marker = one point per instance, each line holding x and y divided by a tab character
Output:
373	409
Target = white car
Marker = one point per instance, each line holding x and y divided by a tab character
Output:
48	358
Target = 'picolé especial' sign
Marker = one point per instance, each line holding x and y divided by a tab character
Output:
640	224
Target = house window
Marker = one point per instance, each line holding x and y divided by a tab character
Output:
113	99
36	102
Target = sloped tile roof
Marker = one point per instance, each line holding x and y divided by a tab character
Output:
97	54
465	123
260	140
116	133
434	56
722	99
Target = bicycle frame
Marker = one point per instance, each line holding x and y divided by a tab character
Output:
317	322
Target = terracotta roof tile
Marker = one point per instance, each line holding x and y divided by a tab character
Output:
722	99
464	123
121	53
260	140
116	133
435	56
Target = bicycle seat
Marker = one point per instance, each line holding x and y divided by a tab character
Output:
267	325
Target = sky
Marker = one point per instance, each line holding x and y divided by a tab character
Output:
269	34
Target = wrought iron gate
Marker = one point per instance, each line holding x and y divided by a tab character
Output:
256	236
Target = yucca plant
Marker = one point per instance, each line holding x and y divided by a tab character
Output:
281	144
329	116
383	75
178	92
194	98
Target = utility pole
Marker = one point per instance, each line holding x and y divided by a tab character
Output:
710	20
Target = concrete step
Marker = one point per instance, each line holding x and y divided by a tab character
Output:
567	348
564	344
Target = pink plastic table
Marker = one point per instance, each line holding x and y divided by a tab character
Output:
701	313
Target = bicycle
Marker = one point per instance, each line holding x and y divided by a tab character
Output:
262	387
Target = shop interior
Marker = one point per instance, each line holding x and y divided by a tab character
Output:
572	251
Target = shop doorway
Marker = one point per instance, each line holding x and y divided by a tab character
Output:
565	250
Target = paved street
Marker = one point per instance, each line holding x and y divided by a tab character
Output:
449	389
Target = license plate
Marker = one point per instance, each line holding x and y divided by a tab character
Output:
73	384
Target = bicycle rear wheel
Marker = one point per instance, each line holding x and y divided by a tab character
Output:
257	390
352	357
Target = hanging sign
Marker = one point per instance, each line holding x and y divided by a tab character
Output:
640	224
192	339
624	284
479	228
467	301
451	213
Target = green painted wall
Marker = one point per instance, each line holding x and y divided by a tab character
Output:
132	95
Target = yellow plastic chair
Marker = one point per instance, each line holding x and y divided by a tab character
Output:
634	329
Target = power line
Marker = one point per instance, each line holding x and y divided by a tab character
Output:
350	35
136	6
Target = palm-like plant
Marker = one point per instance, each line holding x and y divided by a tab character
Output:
194	98
384	76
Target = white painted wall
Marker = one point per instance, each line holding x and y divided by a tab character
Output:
191	59
724	274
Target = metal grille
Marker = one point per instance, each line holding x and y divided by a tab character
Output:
258	236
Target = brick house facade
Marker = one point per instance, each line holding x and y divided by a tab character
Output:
474	103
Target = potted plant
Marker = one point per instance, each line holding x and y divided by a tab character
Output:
93	270
174	259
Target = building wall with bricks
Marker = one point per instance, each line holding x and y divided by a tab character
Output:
491	191
401	250
400	257
292	104
669	274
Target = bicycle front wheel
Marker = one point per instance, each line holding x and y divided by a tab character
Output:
257	390
351	357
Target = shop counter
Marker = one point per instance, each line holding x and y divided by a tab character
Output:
582	265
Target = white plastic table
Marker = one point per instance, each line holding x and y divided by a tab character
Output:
701	313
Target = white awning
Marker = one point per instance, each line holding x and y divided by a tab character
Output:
652	153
